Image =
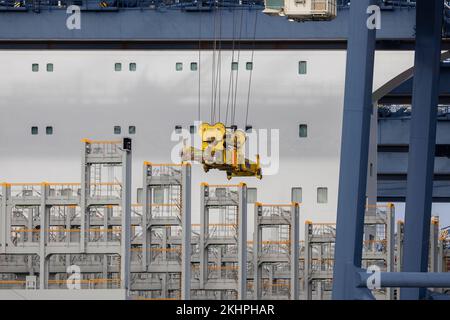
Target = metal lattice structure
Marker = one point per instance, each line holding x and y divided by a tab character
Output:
49	227
350	280
165	232
88	236
276	252
222	244
378	250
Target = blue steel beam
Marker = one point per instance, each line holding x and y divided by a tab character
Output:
422	141
395	131
393	148
403	93
409	279
399	80
354	153
139	26
394	190
396	163
37	5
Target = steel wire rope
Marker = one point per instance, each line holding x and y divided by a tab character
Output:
231	84
237	70
251	70
217	72
220	61
213	69
199	65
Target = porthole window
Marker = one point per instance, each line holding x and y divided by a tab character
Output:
34	130
302	67
297	195
249	66
49	130
132	129
234	66
303	131
49	67
322	195
117	130
133	66
118	66
35	67
194	66
179	66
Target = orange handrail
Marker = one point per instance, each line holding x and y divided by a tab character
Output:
259	204
89	141
148	163
84	281
66	230
223	185
12	281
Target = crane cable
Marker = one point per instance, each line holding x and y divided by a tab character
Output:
199	64
231	84
218	71
232	87
251	70
213	76
220	61
233	116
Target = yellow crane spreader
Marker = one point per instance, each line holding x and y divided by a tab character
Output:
223	149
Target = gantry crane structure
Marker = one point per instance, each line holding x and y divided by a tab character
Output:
421	25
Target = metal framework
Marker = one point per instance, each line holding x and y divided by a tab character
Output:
350	282
394	127
154	24
276	251
378	249
95	5
57	225
274	262
166	229
49	227
223	240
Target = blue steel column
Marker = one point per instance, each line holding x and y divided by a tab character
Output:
429	16
354	151
125	248
242	242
